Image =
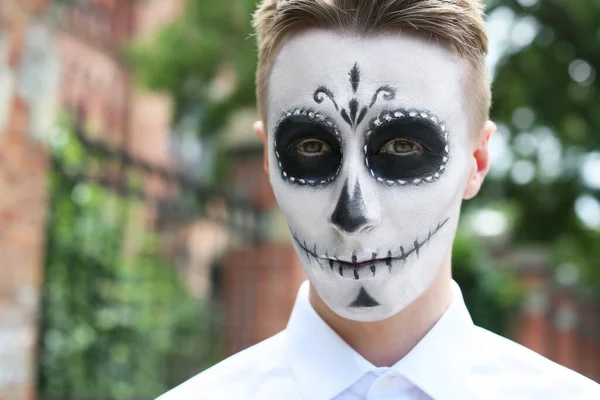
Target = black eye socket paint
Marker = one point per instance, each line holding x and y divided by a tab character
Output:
313	170
420	127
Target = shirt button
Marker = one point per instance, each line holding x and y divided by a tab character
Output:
386	382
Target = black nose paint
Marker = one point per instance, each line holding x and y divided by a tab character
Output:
350	211
364	299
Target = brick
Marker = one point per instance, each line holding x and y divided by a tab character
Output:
23	168
98	83
260	286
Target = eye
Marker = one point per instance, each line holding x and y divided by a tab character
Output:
312	148
406	149
307	150
401	147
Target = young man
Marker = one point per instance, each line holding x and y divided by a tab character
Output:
375	124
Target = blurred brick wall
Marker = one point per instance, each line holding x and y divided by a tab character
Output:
260	287
155	14
96	82
23	168
260	280
558	321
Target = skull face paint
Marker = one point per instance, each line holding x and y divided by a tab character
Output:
368	148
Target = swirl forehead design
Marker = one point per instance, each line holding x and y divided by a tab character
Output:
355	113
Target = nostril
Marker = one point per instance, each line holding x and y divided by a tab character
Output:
367	229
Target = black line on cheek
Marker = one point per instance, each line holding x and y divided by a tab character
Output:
441	224
388	260
364	300
306	251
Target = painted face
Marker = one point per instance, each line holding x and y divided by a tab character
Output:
368	148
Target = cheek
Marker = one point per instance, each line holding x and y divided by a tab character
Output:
423	205
304	207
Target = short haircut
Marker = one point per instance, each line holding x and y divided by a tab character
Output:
460	23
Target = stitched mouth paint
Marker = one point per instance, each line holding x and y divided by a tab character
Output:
357	269
368	154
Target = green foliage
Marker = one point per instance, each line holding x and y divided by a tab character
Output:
114	321
185	57
543	77
491	292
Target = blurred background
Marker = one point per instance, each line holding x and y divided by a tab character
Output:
140	242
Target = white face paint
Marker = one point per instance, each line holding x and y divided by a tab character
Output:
368	148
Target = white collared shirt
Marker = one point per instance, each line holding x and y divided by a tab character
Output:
456	360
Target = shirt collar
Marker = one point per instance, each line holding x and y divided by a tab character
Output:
324	365
440	363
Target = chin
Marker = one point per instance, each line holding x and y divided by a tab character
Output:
380	284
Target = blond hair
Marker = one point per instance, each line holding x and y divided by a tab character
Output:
457	22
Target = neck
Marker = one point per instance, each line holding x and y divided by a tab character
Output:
385	342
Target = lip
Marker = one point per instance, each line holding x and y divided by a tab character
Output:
366	268
361	270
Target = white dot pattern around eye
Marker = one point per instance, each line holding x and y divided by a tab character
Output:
388	116
317	116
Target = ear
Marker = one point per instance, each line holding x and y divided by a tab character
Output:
480	161
259	130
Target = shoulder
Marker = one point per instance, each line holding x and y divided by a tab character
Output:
249	374
505	369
